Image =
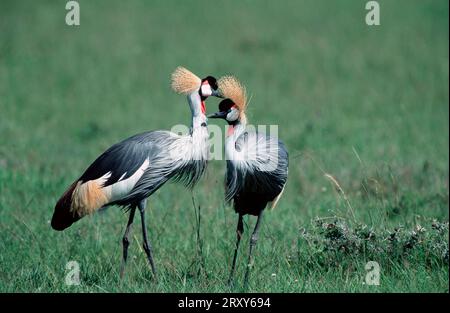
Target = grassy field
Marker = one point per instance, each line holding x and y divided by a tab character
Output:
367	105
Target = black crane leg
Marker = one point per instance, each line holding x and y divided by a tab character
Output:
147	246
239	232
126	241
253	241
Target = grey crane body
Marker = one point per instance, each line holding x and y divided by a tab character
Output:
132	170
126	157
248	184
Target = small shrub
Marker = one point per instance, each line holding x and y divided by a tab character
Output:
335	242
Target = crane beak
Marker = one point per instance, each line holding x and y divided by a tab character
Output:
220	114
216	93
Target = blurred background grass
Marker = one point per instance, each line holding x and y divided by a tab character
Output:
368	105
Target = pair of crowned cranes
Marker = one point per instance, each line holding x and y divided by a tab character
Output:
130	171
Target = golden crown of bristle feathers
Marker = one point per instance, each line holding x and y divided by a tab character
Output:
184	81
231	88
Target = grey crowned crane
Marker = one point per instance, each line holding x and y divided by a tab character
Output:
132	170
257	165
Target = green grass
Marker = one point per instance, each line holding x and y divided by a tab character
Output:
367	105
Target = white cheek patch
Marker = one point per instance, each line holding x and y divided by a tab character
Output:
206	90
233	115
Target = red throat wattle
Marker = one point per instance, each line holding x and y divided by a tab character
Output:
230	130
203	107
203	102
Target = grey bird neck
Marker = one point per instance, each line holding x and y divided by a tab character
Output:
198	117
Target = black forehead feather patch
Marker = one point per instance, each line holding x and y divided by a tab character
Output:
225	105
212	81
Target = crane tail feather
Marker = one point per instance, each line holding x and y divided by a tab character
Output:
80	199
63	216
275	201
